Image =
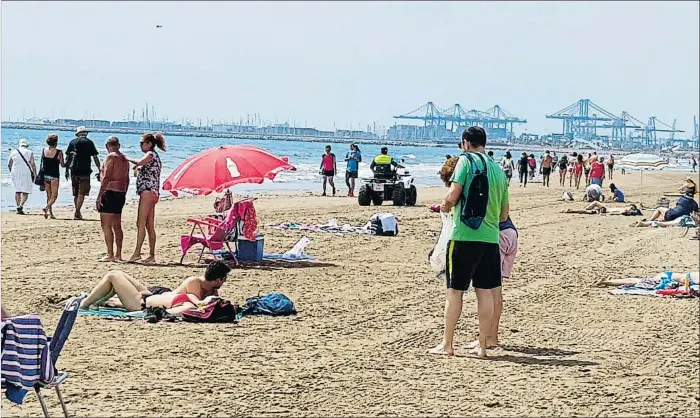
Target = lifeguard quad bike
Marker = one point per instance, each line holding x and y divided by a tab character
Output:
388	184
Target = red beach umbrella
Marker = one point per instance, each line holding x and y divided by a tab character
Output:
220	168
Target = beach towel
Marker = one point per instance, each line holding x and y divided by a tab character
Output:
331	227
26	356
274	304
438	255
112	313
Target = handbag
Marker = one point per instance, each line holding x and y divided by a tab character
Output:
28	166
39	179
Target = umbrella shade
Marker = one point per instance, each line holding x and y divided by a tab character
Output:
642	162
218	169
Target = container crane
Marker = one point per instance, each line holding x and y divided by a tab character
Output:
580	120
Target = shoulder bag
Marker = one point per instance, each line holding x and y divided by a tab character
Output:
39	179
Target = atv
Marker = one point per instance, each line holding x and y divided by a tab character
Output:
396	186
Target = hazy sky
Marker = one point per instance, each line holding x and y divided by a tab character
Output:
348	63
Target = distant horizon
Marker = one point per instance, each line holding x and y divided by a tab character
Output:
348	64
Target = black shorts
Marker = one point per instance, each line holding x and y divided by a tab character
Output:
475	263
112	202
81	185
351	174
328	173
546	171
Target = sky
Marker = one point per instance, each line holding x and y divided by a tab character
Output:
344	64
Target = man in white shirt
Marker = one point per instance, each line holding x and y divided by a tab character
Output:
593	193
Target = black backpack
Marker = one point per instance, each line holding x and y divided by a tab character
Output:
475	204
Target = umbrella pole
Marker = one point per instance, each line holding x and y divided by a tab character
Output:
641	187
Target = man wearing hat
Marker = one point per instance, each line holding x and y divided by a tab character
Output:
78	167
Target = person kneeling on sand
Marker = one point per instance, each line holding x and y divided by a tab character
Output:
593	193
134	296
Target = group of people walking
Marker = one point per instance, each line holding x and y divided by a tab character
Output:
592	168
113	175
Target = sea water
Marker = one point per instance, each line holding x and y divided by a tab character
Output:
423	163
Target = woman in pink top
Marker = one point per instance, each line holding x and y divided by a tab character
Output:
328	169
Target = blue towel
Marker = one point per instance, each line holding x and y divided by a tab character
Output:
26	356
284	257
111	313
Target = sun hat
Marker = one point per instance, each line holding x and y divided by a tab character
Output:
23	143
81	129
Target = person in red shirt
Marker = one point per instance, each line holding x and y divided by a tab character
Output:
328	169
597	172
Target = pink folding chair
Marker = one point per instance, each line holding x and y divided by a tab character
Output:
214	238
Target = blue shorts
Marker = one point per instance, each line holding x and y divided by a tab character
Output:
597	180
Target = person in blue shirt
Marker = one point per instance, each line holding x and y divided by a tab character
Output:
618	195
353	158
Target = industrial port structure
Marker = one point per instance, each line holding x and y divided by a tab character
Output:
441	125
583	121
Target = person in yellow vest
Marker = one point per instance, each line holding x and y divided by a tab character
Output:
383	163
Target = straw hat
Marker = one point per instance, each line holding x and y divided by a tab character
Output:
24	143
81	129
690	179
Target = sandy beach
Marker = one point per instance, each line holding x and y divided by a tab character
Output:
368	310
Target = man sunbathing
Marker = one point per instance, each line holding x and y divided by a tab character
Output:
597	208
134	296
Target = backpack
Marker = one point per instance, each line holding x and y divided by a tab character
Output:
477	200
274	304
219	311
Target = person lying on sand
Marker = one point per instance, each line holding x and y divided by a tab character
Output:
682	221
134	296
597	208
694	276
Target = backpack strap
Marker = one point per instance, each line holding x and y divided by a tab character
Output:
475	169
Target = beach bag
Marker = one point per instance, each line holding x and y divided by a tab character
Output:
384	224
39	179
223	204
477	200
438	255
219	311
273	304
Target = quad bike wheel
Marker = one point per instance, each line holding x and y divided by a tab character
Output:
364	197
377	199
412	196
399	197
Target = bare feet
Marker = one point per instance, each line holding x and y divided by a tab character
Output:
134	258
150	260
489	344
46	213
106	259
478	351
441	350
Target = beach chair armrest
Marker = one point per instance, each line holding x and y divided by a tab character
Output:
58	379
204	223
213	220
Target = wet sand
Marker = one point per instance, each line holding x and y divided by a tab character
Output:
368	310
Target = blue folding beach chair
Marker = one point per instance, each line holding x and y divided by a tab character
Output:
56	342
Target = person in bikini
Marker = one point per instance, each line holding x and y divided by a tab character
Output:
693	276
114	182
134	296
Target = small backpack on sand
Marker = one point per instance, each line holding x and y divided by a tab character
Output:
475	204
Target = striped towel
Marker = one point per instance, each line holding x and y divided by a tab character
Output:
26	356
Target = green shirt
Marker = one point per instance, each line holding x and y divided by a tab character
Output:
498	196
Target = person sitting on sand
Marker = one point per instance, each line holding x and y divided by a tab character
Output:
684	206
618	195
693	276
596	208
134	296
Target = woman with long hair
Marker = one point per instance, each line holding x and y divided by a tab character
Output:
51	160
148	189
